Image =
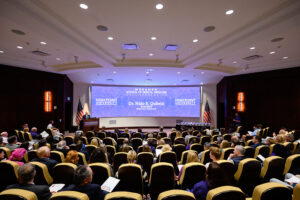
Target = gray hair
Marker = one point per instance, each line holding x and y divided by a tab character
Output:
26	173
61	144
241	149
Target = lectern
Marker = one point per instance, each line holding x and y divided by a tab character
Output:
90	124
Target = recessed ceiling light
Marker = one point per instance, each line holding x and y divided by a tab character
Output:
252	48
83	6
147	72
1	51
43	43
285	57
114	72
159	6
19	47
178	72
229	12
153	38
202	72
110	38
92	81
195	40
272	52
151	54
57	58
234	62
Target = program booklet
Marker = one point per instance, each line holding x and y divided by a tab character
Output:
110	184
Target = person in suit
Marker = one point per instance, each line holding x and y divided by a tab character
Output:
26	174
86	116
83	177
43	154
237	156
257	141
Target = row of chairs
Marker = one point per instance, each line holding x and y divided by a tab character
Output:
267	191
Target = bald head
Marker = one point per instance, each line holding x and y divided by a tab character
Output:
43	152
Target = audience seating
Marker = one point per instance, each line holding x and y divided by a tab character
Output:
272	168
69	195
123	196
296	192
228	168
184	156
271	149
101	135
19	136
136	142
227	137
137	135
184	133
179	140
249	152
205	157
8	173
204	139
84	140
225	192
226	152
63	173
125	135
167	140
162	134
161	179
176	195
58	156
27	136
90	148
249	142
131	179
31	155
272	191
6	152
191	174
111	150
119	159
120	141
178	149
169	157
82	160
214	138
89	135
42	176
101	171
172	136
262	150
108	141
17	194
192	138
291	164
247	175
69	140
197	147
146	160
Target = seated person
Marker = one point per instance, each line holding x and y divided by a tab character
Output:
33	132
26	174
257	141
256	128
62	147
72	157
215	177
2	155
83	177
12	143
207	145
237	155
43	154
214	154
17	155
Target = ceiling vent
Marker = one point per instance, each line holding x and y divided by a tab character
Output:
253	57
130	46
171	47
40	53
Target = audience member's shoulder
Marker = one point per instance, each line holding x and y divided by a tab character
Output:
13	186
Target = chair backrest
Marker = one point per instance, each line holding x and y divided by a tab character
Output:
249	152
69	195
272	191
63	173
197	147
101	135
17	194
8	173
249	142
204	139
176	194
82	160
6	152
296	192
272	168
84	140
172	136
205	157
228	168
227	137
21	136
225	192
247	174
292	164
271	148
136	142
42	176
119	159
167	140
111	150
58	156
262	150
108	141
90	148
146	160
131	179
214	138
27	136
69	140
123	196
191	174
192	138
31	155
101	171
184	156
169	157
162	134
179	140
226	152
178	149
89	135
161	178
137	135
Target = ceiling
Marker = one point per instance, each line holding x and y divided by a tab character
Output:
74	46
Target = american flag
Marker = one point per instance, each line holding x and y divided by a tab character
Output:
79	114
206	114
